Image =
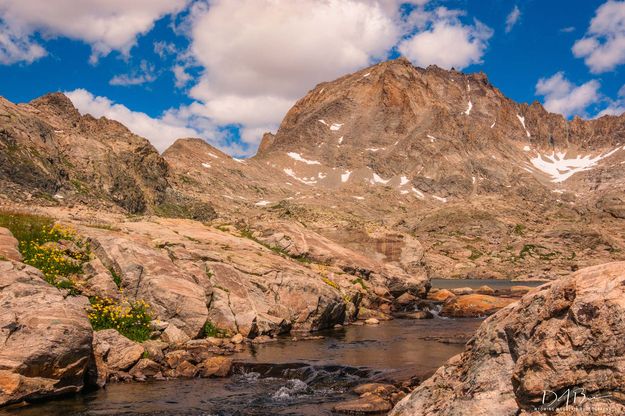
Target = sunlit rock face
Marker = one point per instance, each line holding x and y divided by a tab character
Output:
562	337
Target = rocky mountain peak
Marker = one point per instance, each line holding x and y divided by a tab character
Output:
56	103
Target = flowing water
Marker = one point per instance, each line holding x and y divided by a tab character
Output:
285	377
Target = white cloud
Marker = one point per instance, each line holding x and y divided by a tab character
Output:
603	46
255	57
615	107
562	96
162	48
181	76
15	48
512	18
271	52
447	42
144	74
106	25
159	131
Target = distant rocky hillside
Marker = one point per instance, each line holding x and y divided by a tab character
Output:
49	153
390	160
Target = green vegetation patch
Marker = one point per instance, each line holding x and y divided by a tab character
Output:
331	283
54	249
360	282
537	251
519	229
475	253
130	318
247	233
213	331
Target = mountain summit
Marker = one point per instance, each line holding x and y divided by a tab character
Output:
389	157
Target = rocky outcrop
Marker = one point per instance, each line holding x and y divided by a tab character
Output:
473	306
565	336
192	274
8	246
117	358
45	339
150	275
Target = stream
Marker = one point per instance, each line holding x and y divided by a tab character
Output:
285	377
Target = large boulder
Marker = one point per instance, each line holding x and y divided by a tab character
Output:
8	246
473	306
148	274
45	339
564	337
117	352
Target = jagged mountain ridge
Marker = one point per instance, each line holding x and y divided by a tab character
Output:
376	161
490	186
48	151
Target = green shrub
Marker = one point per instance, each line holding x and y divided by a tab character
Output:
360	282
130	318
116	278
212	330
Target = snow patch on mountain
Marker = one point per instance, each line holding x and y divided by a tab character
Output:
345	176
378	179
522	120
418	192
560	168
469	108
305	181
299	158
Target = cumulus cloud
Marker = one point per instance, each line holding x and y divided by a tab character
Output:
181	76
603	46
105	25
447	42
512	18
161	132
248	61
15	48
144	74
562	96
271	52
615	107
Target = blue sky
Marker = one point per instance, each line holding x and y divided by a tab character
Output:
229	70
